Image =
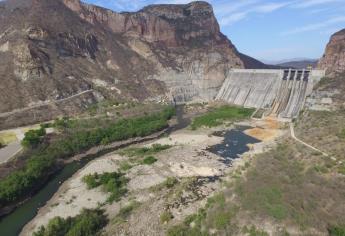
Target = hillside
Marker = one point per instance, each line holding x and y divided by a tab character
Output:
82	53
299	64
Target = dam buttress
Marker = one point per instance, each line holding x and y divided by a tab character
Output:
280	93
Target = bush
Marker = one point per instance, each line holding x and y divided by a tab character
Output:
33	137
113	183
87	223
336	231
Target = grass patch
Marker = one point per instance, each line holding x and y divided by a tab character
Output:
217	214
125	212
113	183
87	223
143	151
7	137
170	182
341	134
149	160
219	115
125	166
253	231
166	216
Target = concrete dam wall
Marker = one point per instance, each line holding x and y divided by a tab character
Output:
281	93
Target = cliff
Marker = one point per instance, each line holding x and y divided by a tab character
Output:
53	50
333	61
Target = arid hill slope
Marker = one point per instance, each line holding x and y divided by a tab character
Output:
53	49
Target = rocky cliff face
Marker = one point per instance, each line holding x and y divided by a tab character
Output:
55	49
333	60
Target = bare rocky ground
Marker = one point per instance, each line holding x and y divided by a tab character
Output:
198	175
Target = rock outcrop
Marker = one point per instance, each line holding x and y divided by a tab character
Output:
333	61
55	49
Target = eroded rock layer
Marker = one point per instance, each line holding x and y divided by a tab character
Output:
333	61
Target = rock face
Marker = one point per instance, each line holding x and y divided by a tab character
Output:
333	61
56	49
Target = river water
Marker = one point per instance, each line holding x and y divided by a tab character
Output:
235	143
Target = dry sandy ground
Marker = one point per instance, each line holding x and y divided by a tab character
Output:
187	158
183	160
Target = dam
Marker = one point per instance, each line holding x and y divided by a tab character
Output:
280	93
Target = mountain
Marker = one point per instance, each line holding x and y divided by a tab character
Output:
302	64
60	56
333	60
252	63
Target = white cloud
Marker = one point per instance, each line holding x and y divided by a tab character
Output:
316	26
242	11
312	3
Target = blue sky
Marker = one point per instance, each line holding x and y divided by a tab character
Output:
269	30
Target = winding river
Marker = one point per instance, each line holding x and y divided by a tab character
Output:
235	143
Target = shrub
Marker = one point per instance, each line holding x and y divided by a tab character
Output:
336	231
33	137
113	183
87	223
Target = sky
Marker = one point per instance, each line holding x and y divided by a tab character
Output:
269	30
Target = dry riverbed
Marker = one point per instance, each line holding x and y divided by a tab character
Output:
198	173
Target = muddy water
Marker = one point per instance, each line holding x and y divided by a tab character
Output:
234	144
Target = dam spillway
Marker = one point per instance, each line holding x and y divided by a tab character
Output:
281	93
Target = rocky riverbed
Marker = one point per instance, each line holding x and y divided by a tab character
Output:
199	173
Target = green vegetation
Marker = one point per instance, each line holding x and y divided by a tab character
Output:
336	231
166	216
149	160
43	161
7	137
143	151
217	214
125	212
87	223
33	137
169	183
140	155
219	115
253	231
113	183
341	134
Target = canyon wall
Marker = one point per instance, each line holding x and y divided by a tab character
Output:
333	61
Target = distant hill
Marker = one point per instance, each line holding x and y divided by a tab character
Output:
252	63
299	64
